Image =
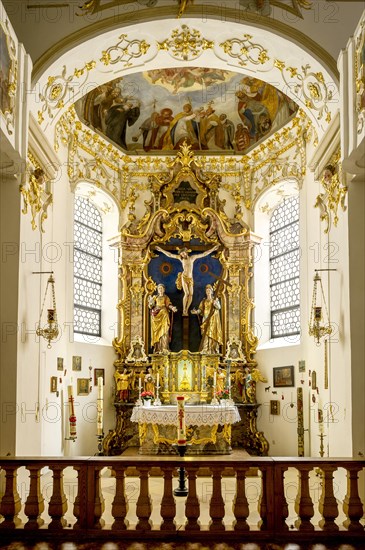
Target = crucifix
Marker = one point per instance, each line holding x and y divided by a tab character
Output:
185	281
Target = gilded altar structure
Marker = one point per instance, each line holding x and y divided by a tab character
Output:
185	308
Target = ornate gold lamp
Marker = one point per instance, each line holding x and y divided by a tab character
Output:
319	324
50	331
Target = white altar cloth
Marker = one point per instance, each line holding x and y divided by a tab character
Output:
195	415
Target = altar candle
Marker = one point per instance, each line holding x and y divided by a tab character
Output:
72	418
99	407
158	380
139	385
181	431
215	380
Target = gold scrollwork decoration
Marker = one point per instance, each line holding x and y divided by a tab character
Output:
185	44
36	196
334	194
9	80
311	85
59	89
360	78
124	51
245	51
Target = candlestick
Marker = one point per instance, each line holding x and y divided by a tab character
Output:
99	407
181	431
214	400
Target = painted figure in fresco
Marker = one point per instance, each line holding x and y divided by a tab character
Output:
185	280
211	328
183	126
122	113
154	128
224	133
160	307
122	380
242	137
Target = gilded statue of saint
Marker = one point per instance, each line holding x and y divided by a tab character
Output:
185	279
211	328
160	306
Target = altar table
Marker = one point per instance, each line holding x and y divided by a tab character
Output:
208	428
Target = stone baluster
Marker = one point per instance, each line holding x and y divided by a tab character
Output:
240	504
144	502
10	503
327	503
34	505
168	504
262	503
120	503
281	511
80	504
58	503
303	502
352	505
216	507
192	504
96	505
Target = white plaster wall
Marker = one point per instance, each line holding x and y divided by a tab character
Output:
44	432
318	251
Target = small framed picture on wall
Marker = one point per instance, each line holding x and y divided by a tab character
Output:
59	363
53	387
76	362
83	386
274	407
97	374
283	376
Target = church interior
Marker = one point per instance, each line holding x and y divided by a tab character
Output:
182	274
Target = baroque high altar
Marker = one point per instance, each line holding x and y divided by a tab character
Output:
185	316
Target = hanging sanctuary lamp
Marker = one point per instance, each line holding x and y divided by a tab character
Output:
319	324
50	330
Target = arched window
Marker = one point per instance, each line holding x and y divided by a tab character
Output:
88	236
284	269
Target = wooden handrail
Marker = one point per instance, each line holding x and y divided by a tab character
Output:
272	504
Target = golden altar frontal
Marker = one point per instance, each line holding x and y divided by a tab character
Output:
208	428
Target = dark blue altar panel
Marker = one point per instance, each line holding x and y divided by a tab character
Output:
165	270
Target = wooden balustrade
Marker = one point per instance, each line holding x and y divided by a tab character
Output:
103	516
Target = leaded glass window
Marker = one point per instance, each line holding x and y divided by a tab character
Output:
87	267
284	269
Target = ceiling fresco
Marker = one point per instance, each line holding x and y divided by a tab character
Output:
212	109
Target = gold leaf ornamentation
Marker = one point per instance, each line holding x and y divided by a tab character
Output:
36	195
360	78
334	192
124	51
10	79
245	51
185	44
59	89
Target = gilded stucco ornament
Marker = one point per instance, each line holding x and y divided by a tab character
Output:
245	51
309	87
9	80
360	77
36	194
185	44
334	192
124	51
244	177
59	89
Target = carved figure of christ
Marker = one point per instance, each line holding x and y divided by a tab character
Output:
187	281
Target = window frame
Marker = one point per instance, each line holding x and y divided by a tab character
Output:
275	335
